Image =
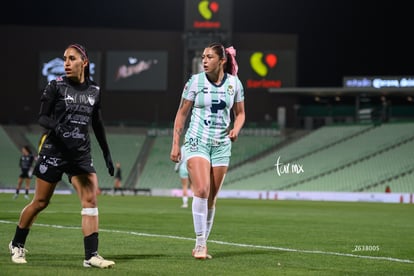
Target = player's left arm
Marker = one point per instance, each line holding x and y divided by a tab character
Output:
239	118
99	130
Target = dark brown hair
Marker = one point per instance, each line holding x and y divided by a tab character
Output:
231	64
84	54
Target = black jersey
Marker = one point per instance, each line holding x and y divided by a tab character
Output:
26	162
118	174
67	110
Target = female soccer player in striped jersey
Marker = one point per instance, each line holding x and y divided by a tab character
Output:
210	96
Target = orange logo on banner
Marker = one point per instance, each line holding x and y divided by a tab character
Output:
261	65
206	9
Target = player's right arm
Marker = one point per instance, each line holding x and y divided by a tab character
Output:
179	122
47	101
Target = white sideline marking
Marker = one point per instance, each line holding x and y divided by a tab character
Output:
228	243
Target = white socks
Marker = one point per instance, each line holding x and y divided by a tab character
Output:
199	207
203	219
210	220
185	200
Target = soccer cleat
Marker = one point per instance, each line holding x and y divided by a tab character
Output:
26	197
200	252
18	254
15	196
99	262
184	206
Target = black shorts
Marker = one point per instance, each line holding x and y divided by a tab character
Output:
51	168
25	174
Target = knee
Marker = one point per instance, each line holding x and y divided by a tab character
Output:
89	201
202	192
39	205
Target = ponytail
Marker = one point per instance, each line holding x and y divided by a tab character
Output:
229	54
232	66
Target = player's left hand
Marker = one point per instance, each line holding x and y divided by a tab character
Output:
233	135
109	164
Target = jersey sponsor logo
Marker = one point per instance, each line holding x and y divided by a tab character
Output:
214	124
217	105
204	90
80	99
78	119
75	134
69	99
53	161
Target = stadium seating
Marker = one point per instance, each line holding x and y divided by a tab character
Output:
125	149
158	170
314	141
9	161
344	158
359	160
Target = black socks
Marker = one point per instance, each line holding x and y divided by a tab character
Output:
20	237
91	245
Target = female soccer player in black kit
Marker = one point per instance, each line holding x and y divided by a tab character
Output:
25	164
69	105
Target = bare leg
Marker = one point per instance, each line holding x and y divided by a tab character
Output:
43	192
41	199
87	187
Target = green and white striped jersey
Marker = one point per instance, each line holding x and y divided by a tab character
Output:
210	118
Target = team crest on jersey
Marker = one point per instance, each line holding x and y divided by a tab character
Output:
230	90
91	100
42	168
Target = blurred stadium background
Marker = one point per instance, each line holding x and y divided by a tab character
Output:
354	137
334	158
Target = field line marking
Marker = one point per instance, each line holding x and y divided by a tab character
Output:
229	243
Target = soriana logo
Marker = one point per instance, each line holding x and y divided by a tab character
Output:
207	10
263	64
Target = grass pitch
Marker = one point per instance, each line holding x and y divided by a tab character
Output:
147	235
